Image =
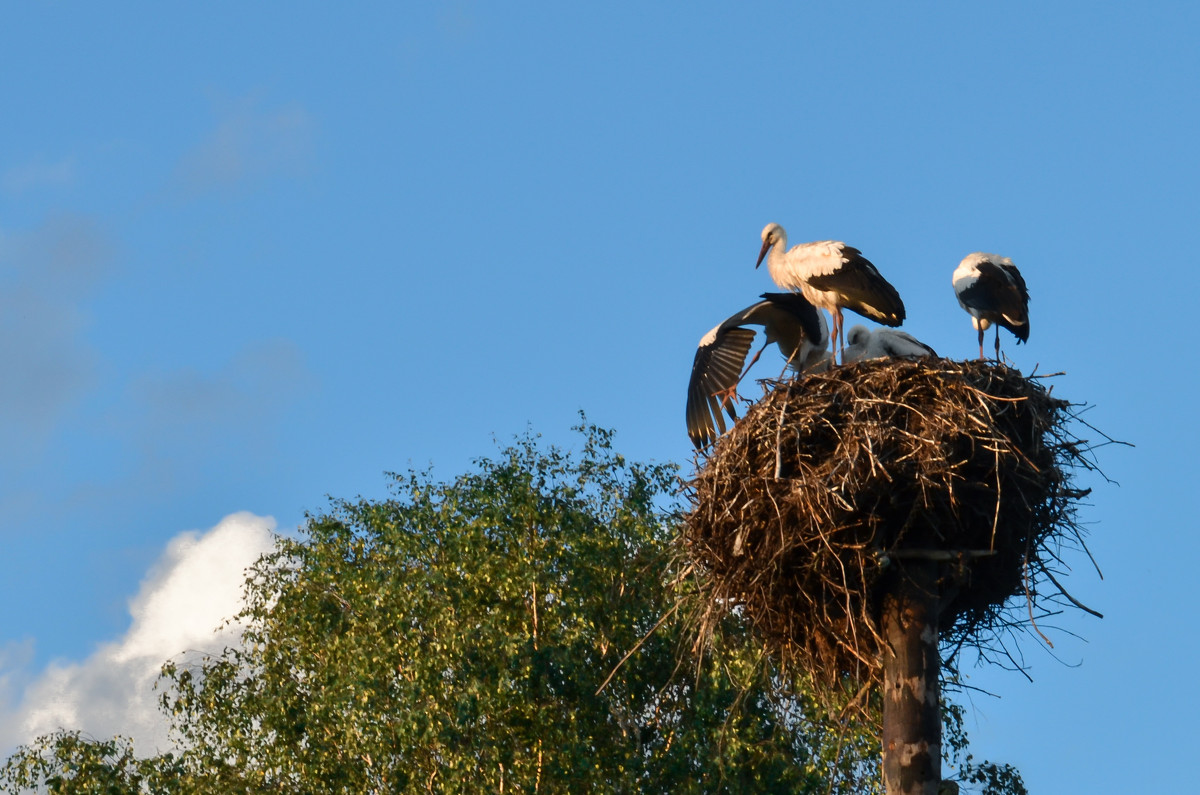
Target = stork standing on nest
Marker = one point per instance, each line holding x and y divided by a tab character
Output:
992	290
862	343
832	276
788	320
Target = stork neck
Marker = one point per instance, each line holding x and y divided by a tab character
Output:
777	256
780	247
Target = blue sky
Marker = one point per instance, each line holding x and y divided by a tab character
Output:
253	256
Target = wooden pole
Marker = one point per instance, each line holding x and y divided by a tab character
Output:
912	719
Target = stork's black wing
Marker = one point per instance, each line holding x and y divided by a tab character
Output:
862	288
1000	294
718	363
797	307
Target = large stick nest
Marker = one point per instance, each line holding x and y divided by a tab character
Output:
831	483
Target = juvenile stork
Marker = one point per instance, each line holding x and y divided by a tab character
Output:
861	343
832	276
788	320
992	290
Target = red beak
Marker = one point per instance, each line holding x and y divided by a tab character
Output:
766	247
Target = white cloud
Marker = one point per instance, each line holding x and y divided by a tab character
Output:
245	391
194	586
47	275
15	658
249	144
38	173
184	420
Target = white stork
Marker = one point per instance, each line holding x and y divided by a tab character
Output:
861	343
832	276
992	290
789	321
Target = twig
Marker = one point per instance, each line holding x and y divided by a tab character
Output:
779	434
637	646
1073	600
1029	601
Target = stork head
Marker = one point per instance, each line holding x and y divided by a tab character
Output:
858	335
971	263
772	234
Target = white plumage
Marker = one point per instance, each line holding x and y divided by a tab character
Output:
991	289
788	320
832	276
862	343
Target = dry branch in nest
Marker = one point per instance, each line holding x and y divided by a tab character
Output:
806	508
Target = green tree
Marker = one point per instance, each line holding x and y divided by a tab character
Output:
467	636
68	762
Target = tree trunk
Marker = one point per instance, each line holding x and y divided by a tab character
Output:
912	719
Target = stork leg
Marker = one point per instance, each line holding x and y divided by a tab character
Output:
997	343
839	344
728	396
981	330
755	359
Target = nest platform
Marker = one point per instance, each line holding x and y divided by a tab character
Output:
806	508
